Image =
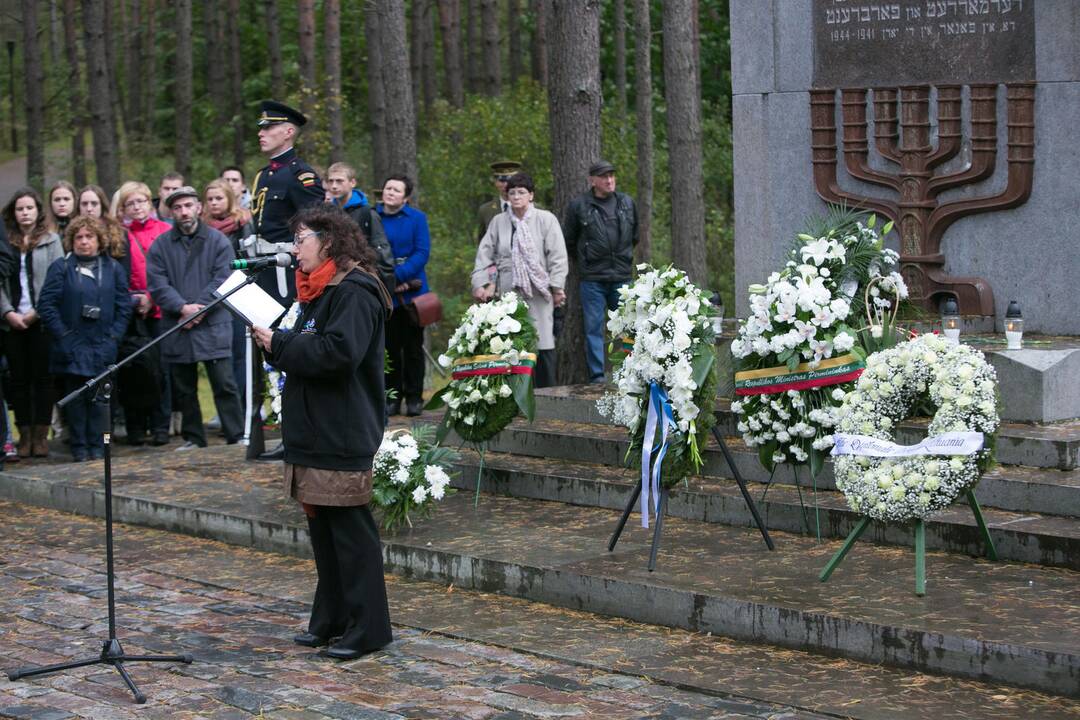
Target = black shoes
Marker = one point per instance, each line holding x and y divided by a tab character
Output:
340	652
277	453
309	640
412	409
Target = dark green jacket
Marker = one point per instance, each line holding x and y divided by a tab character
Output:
602	255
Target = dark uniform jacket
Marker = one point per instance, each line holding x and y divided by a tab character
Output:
485	213
602	256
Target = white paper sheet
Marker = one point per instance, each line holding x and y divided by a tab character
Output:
253	304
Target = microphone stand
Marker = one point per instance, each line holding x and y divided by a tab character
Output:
111	651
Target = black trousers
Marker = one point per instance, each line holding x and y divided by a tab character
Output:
84	418
350	598
405	345
544	372
31	384
185	387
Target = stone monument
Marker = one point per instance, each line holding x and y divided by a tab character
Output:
955	120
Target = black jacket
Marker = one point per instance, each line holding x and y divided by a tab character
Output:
601	258
370	224
334	399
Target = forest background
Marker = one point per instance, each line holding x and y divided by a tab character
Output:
130	89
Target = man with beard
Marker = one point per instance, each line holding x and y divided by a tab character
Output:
183	268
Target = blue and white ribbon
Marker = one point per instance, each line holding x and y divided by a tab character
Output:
660	412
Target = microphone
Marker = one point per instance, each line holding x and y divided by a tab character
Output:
280	260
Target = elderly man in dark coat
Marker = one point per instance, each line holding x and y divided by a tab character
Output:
183	268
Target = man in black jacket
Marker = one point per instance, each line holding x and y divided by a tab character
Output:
341	186
600	226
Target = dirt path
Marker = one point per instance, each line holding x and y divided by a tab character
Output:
57	167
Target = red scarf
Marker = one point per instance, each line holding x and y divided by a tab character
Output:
226	225
311	285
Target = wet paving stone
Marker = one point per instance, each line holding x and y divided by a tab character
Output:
456	654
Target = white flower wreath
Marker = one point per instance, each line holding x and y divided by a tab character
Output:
956	383
275	379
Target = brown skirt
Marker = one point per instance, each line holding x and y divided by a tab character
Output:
318	486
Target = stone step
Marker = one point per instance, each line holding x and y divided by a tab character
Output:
1014	488
1048	540
1051	445
1001	622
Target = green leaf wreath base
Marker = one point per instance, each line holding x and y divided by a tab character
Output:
679	462
491	419
928	373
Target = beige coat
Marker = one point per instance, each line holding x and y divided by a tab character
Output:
495	249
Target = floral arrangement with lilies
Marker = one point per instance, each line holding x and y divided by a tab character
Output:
491	356
666	367
409	475
810	329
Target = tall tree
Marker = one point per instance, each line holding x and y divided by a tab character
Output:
376	105
184	86
541	11
236	81
106	157
684	141
619	23
132	58
148	72
574	105
115	97
643	111
397	89
273	47
214	18
305	12
513	32
415	49
472	46
332	62
491	70
33	96
76	99
430	77
450	28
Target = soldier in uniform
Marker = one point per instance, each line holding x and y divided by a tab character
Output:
501	171
280	189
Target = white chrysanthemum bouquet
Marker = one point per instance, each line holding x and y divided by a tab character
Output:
409	475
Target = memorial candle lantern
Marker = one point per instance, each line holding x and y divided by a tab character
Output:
950	320
1014	326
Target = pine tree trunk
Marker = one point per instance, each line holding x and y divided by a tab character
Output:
236	82
332	68
492	67
415	48
430	80
513	32
148	74
116	97
215	74
644	122
33	96
273	43
472	46
54	32
397	89
75	88
541	10
132	57
305	10
184	87
574	100
376	106
450	27
620	56
684	141
106	157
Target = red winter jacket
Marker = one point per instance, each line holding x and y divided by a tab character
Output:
144	233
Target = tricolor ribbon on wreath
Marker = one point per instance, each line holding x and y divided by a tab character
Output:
493	365
767	381
660	413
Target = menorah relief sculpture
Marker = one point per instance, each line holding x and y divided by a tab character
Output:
902	137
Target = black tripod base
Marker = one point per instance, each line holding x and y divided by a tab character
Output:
111	654
657	529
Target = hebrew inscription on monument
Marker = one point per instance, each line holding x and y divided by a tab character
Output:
888	58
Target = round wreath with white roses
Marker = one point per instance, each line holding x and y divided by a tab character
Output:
838	280
668	323
491	354
927	374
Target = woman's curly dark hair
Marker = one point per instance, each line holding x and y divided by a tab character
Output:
338	234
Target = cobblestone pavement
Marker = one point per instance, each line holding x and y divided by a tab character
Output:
53	609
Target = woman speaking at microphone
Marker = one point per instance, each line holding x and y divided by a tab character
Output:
332	424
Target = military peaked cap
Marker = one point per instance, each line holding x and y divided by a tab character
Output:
274	112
